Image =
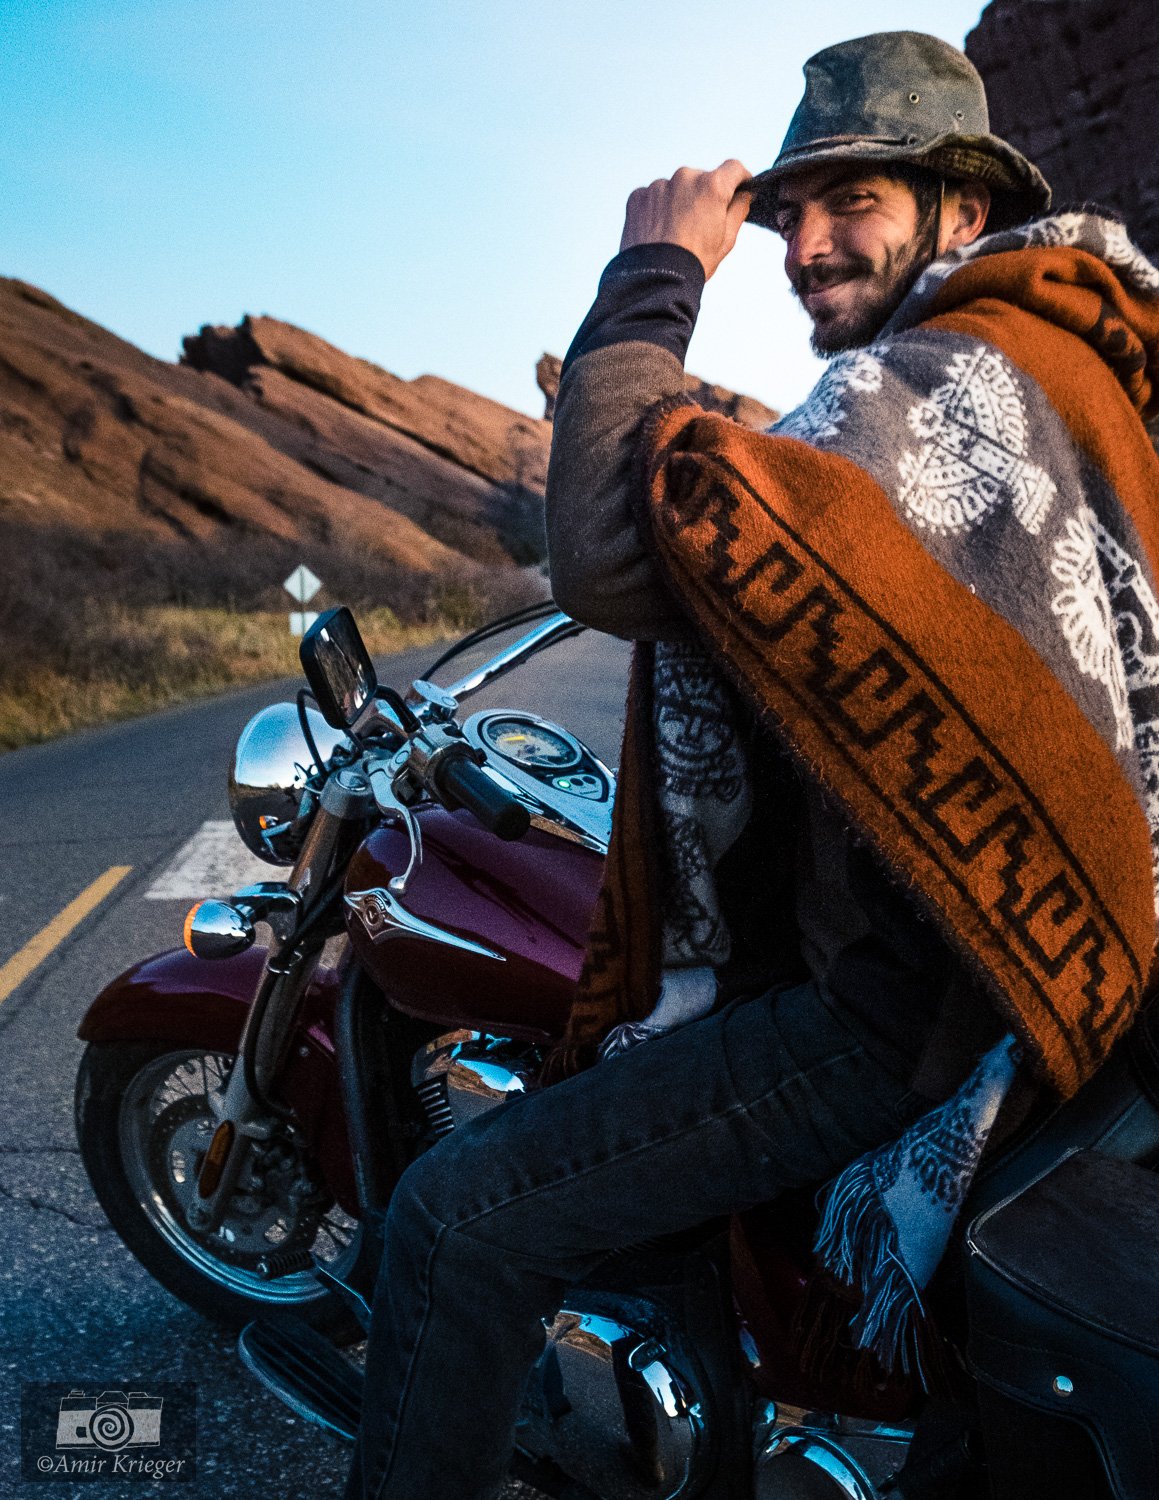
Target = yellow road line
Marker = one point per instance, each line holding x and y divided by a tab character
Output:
37	949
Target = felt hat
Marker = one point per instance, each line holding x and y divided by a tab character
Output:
902	96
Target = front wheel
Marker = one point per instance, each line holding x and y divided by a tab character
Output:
143	1122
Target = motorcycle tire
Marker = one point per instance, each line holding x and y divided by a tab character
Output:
142	1115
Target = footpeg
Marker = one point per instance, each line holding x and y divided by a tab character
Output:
284	1263
306	1372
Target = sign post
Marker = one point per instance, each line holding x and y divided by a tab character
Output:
301	586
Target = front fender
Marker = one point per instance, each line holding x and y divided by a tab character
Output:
174	997
197	1002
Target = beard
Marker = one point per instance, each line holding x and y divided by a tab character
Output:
881	289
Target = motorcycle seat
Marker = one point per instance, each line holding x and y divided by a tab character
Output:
1116	1113
1084	1241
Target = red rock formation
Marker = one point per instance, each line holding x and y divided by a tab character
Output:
465	468
266	430
1075	85
744	409
547	379
96	434
480	435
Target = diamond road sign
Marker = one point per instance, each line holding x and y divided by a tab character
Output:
302	585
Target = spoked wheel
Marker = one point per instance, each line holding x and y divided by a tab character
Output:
144	1123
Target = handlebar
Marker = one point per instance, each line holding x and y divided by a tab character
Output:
556	627
460	781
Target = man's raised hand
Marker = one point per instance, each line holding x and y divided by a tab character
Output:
702	211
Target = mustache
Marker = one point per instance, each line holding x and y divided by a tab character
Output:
812	278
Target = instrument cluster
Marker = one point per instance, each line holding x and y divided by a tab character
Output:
548	766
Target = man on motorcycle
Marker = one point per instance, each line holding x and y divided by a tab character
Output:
764	898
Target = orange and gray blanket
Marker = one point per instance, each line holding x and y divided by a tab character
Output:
936	581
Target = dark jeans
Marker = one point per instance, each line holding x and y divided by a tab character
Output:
486	1231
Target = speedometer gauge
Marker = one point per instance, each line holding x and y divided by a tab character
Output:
530	744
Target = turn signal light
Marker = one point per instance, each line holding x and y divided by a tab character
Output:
215	929
215	1159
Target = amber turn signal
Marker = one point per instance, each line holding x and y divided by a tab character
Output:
215	929
215	1159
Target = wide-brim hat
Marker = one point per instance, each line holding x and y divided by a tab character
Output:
902	96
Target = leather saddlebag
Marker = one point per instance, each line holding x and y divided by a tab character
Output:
1062	1283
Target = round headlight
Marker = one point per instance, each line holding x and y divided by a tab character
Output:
268	775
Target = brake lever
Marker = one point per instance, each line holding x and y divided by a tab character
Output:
382	782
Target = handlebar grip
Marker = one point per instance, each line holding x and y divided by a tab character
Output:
499	811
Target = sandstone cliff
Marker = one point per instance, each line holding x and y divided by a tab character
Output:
1075	85
294	440
265	430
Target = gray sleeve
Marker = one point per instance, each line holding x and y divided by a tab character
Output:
601	574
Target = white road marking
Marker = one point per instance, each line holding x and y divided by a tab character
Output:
214	862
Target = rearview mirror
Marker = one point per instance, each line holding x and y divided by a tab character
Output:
338	667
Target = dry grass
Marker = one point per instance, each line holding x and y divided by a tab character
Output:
94	629
167	654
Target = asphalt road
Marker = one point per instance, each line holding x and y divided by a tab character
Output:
74	1305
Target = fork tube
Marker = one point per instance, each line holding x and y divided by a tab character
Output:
345	803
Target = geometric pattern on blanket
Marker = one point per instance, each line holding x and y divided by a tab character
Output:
966	809
975	682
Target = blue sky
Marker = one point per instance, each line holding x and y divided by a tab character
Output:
435	186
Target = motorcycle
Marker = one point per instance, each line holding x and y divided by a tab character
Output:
245	1109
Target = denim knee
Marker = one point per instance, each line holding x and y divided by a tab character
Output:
428	1196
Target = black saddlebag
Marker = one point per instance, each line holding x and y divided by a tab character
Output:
1062	1282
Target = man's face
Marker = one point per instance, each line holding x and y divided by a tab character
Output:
855	245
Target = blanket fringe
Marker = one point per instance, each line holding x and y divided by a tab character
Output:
857	1244
628	1034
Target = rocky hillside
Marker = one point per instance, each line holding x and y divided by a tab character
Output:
263	430
466	470
149	511
266	431
1075	84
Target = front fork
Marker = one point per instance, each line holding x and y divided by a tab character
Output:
243	1109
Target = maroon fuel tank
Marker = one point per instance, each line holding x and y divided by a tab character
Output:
528	903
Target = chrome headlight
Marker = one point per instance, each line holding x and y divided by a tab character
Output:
268	775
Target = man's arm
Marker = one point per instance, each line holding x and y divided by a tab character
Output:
629	354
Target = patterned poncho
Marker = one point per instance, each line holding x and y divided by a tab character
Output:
936	582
